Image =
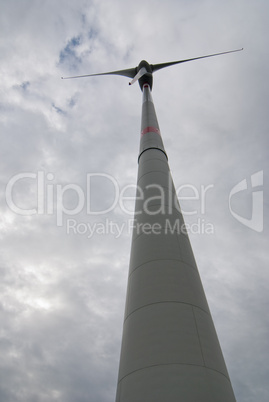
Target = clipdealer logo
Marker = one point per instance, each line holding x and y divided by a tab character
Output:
255	222
46	197
49	198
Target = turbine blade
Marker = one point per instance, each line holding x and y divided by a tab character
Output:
140	74
156	67
130	72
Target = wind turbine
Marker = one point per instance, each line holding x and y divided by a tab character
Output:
170	350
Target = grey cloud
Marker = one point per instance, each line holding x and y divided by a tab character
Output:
62	295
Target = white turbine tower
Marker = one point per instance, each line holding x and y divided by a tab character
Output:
170	350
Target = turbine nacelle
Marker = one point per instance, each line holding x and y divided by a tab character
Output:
143	73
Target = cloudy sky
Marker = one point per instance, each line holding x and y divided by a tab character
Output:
68	144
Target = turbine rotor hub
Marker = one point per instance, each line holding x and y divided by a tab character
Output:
146	78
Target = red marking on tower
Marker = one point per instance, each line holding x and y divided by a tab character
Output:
150	129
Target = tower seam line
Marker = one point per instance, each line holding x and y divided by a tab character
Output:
196	326
170	301
175	364
164	259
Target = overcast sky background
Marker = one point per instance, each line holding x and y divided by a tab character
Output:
62	294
